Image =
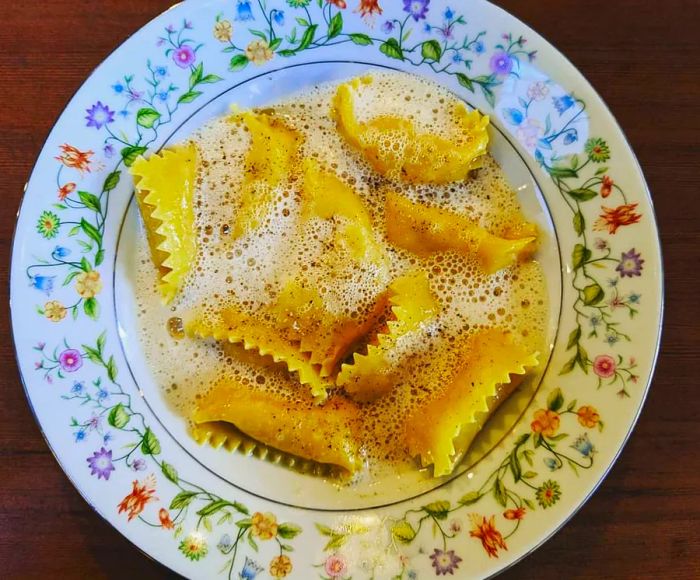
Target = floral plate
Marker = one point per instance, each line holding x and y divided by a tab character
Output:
207	514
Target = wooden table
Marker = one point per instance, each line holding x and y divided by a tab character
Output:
641	56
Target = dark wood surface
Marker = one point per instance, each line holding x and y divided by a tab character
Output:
644	522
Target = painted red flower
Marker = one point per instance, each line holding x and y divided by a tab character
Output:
604	366
606	187
141	494
367	8
75	158
338	3
65	190
614	218
165	521
485	530
516	514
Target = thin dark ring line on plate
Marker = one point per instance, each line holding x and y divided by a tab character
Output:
461	470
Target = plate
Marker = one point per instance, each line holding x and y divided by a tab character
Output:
205	513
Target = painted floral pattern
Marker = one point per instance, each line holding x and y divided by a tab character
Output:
69	284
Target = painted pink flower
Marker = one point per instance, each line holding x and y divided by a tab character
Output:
604	366
70	360
336	567
630	264
100	464
184	56
65	190
606	186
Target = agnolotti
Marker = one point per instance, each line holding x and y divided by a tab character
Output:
425	230
373	375
165	184
396	149
327	434
441	430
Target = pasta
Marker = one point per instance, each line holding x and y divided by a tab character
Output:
352	285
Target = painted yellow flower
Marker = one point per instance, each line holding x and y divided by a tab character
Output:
88	284
588	416
259	52
280	566
54	311
264	526
546	422
223	31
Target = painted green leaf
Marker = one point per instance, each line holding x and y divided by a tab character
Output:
252	542
470	498
85	265
582	194
182	500
522	439
118	417
275	43
431	50
70	277
335	27
74	230
93	354
111	369
499	492
213	507
99	257
465	81
336	541
307	38
568	366
196	75
302	21
211	79
286	52
150	444
392	49
529	475
238	62
574	337
403	532
562	172
259	33
361	39
558	437
189	96
438	509
489	95
101	341
555	400
90	201
515	468
288	531
206	522
244	524
131	153
580	256
601	170
90	230
170	472
147	117
111	181
92	308
579	223
286	548
592	294
582	358
324	530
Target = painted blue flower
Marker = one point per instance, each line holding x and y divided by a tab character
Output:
594	321
244	11
412	575
513	116
388	27
124	113
416	8
225	543
77	388
427	28
43	284
61	252
551	463
563	104
634	298
99	115
107	437
612	282
118	88
163	95
102	395
161	71
583	445
539	157
571	137
479	47
250	569
612	339
457	57
80	436
449	13
278	17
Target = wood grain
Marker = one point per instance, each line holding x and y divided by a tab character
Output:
643	59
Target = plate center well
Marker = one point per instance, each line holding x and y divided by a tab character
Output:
276	482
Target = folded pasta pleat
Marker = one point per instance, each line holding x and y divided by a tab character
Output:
395	148
327	435
441	430
372	375
165	185
425	230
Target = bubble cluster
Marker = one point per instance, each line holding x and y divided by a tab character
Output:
248	273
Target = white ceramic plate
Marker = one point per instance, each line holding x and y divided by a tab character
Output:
203	512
